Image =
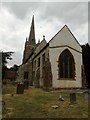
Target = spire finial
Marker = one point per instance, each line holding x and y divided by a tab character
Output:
43	37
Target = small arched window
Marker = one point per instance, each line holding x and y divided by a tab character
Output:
66	65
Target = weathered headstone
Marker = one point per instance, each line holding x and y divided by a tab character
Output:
86	95
20	88
55	106
61	98
72	98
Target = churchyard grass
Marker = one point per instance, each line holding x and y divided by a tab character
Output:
36	103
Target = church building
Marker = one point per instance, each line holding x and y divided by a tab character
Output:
56	64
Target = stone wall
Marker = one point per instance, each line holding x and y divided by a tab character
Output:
65	40
27	67
35	72
36	67
47	74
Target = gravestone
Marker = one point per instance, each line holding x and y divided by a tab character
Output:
61	98
55	106
20	88
86	95
72	98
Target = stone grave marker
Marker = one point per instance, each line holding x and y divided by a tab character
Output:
72	98
55	106
20	88
86	95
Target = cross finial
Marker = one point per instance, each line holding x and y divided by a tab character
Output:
43	37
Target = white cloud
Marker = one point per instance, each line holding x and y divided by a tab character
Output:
49	19
12	34
9	29
45	0
48	28
82	33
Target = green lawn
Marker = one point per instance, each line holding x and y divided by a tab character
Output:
36	103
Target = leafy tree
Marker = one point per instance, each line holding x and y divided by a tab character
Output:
86	61
14	68
5	57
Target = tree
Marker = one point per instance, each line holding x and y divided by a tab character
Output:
14	68
5	57
86	61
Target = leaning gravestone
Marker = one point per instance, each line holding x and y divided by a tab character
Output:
20	88
72	98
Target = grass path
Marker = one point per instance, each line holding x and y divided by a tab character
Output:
36	103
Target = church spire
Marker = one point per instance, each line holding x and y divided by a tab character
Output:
32	32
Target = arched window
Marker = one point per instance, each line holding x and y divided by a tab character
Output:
66	65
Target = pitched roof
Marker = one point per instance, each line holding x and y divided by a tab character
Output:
68	30
37	50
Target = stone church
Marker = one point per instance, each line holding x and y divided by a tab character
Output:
56	64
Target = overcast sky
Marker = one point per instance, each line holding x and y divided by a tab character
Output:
50	17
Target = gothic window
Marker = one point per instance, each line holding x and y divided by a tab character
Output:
39	62
43	59
25	75
35	64
66	65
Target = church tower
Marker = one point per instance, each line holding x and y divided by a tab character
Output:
30	43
